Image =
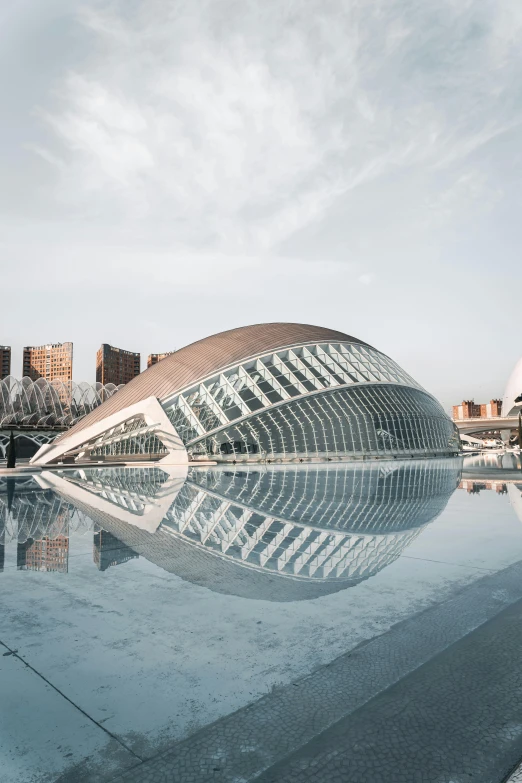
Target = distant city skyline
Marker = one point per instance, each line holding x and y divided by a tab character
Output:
7	352
169	175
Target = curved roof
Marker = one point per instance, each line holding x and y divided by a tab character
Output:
512	391
206	357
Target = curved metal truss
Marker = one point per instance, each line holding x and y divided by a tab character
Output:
42	403
314	401
26	439
319	401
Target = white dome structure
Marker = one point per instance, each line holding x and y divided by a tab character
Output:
268	392
513	392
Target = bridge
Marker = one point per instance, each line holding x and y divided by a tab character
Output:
483	424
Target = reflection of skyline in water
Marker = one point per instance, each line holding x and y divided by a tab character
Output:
283	534
40	522
506	460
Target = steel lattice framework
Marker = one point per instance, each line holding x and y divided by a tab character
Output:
269	392
57	404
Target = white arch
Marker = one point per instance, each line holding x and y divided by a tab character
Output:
82	441
513	390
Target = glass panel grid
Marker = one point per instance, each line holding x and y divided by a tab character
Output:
293	374
374	420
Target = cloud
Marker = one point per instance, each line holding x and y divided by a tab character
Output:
366	279
233	126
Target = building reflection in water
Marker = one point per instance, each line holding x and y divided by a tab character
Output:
39	521
280	534
109	551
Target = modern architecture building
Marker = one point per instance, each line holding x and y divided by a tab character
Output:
512	401
38	410
41	403
269	392
51	362
154	358
115	365
5	361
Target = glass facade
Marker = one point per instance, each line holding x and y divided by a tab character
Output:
314	401
318	400
132	438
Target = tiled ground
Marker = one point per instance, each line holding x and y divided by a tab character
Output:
374	715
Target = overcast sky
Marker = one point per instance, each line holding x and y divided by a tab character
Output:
174	168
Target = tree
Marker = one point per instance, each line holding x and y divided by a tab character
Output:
11	452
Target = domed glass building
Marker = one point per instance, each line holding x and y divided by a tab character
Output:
269	392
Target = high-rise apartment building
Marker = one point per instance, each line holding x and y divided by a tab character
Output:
110	551
114	365
468	409
52	361
45	554
491	409
5	361
154	358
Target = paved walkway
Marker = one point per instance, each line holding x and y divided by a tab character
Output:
456	718
437	699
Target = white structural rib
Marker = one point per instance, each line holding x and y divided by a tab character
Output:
154	416
150	518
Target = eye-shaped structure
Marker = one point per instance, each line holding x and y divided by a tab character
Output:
264	392
276	533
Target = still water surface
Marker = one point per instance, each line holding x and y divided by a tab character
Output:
149	603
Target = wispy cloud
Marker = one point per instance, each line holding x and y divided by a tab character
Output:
233	126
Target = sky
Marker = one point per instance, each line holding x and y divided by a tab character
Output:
174	168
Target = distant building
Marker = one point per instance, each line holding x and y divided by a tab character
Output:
109	551
45	554
474	487
5	361
52	361
154	358
470	410
491	409
114	365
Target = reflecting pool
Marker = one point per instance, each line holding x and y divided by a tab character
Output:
142	605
